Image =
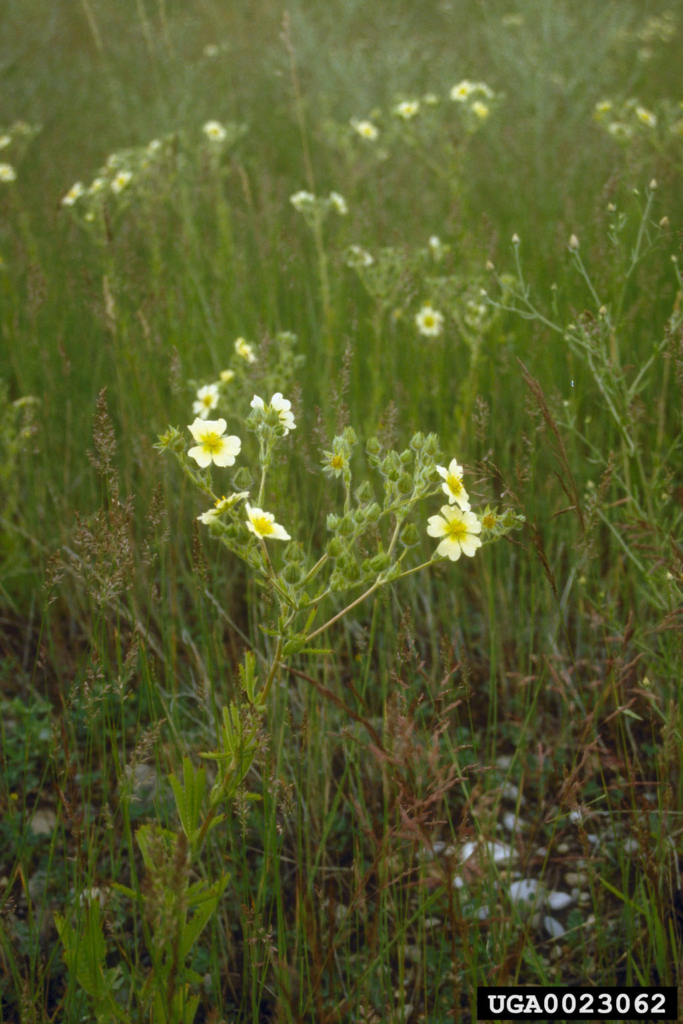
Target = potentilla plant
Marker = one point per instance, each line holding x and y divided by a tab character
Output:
371	536
386	520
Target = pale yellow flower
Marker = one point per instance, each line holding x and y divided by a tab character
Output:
482	110
282	407
366	130
407	109
263	524
214	131
227	376
244	350
7	173
207	399
646	117
429	321
459	531
339	203
452	485
212	444
221	506
121	181
73	195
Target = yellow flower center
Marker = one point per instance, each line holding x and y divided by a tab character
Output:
489	521
212	443
207	400
456	530
454	484
262	525
337	462
428	320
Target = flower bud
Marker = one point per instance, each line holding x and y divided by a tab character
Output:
294	552
373	512
405	483
432	445
410	535
332	521
417	441
380	562
406	456
664	222
364	492
349	436
373	447
334	547
346	526
292	572
515	239
242	479
573	243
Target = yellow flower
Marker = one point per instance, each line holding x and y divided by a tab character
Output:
212	444
429	321
452	486
263	524
646	117
221	506
74	193
245	350
214	131
207	399
482	110
407	109
459	531
120	181
227	376
7	173
366	129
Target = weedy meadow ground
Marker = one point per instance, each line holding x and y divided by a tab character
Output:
340	506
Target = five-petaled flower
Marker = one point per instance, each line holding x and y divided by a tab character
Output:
120	181
459	531
282	406
207	399
429	321
212	443
222	505
263	524
452	485
7	173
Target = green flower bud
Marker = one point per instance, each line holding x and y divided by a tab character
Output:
380	562
346	526
364	492
373	512
294	552
391	466
349	436
335	547
406	456
432	445
332	521
242	479
405	483
292	572
358	516
373	447
417	441
410	535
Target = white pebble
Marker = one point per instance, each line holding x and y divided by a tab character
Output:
559	900
553	927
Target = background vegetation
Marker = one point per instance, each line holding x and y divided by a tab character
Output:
531	696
